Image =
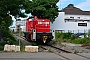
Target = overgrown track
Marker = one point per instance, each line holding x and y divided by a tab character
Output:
70	52
57	51
53	49
22	39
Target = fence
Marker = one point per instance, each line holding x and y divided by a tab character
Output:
72	31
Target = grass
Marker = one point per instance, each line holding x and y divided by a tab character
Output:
11	42
77	41
33	43
61	37
50	51
22	48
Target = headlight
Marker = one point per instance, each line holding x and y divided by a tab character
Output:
47	23
39	22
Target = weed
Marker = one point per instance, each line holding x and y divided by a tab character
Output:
50	51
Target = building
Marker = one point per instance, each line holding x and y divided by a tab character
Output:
72	19
20	24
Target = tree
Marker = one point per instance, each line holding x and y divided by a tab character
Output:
8	8
39	8
43	9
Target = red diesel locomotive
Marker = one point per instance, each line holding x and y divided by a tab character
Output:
38	29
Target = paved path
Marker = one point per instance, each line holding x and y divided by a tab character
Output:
42	56
75	56
29	56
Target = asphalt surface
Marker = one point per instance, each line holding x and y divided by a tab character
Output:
29	56
42	56
47	55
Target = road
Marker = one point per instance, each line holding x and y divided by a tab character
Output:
29	56
41	56
45	55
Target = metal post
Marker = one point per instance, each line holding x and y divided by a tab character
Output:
19	34
19	38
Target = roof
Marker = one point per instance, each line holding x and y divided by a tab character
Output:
70	9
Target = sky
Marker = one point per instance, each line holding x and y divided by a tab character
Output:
82	4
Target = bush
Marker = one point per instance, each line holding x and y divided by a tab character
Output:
70	38
81	41
9	38
10	41
2	46
57	34
64	35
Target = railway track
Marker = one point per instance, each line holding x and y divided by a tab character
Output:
22	39
57	51
54	49
70	52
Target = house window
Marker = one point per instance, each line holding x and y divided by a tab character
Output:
72	17
78	17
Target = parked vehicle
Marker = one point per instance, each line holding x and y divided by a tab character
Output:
81	35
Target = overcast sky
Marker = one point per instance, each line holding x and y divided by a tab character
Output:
82	4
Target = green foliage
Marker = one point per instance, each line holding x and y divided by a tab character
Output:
68	37
10	8
64	35
50	51
22	47
57	34
40	8
21	33
77	41
89	33
81	41
43	9
9	38
2	46
33	44
54	42
72	37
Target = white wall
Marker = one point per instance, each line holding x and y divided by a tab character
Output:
23	28
21	22
60	24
